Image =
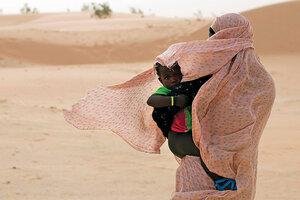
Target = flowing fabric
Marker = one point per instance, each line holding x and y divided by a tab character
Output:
229	112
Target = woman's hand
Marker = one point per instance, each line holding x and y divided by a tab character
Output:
181	100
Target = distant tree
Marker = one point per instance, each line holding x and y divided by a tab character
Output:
27	10
35	11
198	15
132	10
136	11
141	12
85	7
101	10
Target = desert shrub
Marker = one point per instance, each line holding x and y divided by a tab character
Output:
141	12
34	11
27	10
101	10
132	10
198	15
136	11
85	7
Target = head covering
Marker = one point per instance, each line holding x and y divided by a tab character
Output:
228	113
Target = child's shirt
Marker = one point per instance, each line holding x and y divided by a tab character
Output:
183	119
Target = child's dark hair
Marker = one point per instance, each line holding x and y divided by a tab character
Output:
159	67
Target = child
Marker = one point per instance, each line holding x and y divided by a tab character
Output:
167	113
172	113
172	102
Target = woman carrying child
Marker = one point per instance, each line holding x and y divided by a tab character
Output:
229	112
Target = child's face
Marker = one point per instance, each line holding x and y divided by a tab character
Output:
170	77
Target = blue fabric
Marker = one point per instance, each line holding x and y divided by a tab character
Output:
228	184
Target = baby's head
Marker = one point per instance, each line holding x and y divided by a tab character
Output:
169	77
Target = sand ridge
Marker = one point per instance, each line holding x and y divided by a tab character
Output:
89	41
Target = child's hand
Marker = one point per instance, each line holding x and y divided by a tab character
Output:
181	100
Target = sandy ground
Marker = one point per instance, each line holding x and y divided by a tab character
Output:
44	158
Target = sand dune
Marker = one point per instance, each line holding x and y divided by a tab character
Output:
48	41
276	28
14	20
46	66
55	38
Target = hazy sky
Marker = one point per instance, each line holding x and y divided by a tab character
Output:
170	8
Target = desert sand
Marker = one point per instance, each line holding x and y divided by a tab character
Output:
49	61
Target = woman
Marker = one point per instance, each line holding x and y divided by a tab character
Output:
228	114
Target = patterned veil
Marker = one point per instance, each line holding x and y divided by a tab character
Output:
229	112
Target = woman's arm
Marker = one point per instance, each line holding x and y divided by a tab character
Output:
159	101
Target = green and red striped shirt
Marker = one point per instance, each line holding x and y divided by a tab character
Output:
183	119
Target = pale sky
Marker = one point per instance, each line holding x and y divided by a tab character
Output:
168	8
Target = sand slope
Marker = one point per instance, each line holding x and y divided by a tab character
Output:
76	38
276	28
54	39
46	65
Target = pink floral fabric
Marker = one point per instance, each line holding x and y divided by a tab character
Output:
229	112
